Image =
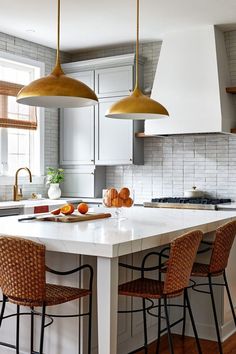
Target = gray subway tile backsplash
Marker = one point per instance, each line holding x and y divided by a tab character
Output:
171	174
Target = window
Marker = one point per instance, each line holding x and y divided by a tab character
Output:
19	147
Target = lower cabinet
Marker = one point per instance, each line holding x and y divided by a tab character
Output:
84	181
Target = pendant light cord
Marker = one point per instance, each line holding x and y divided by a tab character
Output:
137	47
57	71
58	30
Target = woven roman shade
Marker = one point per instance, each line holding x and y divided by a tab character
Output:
13	114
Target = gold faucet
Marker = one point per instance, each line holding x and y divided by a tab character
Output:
17	194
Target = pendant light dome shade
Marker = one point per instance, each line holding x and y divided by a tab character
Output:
137	106
57	90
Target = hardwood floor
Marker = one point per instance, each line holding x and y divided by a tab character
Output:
187	346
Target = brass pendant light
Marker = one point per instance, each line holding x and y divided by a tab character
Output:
137	106
57	90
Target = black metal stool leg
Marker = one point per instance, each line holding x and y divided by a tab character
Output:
18	329
171	348
184	315
159	327
145	328
42	329
192	320
4	300
90	324
32	330
215	315
229	297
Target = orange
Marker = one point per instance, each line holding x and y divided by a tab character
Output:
107	202
112	193
83	208
128	203
67	209
117	202
124	193
56	211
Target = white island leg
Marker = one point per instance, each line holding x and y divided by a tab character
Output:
107	304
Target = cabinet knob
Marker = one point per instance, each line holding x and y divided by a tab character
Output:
131	159
92	160
92	173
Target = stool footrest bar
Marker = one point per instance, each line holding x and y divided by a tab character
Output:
8	345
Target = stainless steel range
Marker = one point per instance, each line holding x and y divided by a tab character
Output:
186	203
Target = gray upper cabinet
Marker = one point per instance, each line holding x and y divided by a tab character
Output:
114	145
77	130
110	82
115	142
86	135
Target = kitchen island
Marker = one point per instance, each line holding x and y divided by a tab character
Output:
107	240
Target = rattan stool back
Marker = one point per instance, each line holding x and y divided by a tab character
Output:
22	269
224	239
183	251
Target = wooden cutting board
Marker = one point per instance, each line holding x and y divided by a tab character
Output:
75	218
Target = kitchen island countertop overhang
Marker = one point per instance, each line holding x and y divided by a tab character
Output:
141	229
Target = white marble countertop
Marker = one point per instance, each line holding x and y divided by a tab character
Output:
36	202
227	206
142	229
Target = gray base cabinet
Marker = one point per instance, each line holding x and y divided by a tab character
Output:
83	181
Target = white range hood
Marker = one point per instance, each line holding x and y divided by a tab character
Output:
190	81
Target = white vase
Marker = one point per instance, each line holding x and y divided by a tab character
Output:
54	191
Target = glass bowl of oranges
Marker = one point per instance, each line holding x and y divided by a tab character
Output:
113	198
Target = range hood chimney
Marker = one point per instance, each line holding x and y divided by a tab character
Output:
190	81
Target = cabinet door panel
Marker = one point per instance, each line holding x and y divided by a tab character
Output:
77	130
80	184
114	81
87	77
77	136
114	137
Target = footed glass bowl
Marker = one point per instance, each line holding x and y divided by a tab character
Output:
113	198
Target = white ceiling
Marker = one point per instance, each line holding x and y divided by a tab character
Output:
95	23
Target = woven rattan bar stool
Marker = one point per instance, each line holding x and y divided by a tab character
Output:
23	282
183	251
221	247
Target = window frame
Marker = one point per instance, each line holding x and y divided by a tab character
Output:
39	152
